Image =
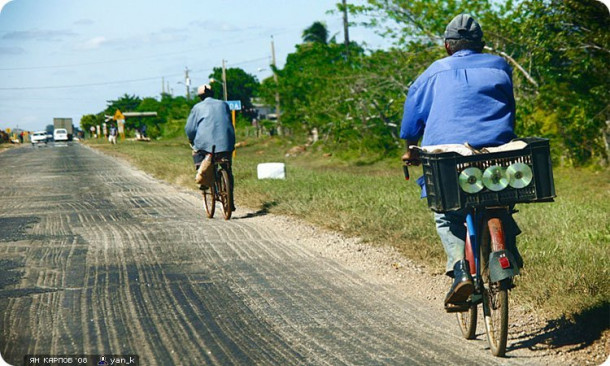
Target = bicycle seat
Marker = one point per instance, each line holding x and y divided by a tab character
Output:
221	160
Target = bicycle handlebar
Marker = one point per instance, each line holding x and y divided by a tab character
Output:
405	170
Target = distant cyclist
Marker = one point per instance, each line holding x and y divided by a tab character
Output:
464	98
209	124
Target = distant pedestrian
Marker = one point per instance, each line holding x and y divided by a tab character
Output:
112	134
256	126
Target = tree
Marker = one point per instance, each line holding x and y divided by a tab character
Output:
89	120
568	47
240	86
559	51
351	102
316	33
126	103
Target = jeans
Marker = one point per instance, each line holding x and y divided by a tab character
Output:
451	229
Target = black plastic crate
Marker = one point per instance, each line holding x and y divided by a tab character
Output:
442	170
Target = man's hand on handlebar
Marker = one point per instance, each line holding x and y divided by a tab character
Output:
411	157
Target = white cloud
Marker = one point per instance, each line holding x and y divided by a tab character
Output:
4	2
42	35
93	43
83	22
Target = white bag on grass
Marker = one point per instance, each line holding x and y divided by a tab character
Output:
271	171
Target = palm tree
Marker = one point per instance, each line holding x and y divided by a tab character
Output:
317	32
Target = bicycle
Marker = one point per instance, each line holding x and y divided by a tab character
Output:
221	189
487	184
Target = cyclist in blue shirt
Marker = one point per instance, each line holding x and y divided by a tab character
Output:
466	97
209	124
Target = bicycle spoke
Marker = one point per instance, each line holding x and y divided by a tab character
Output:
495	309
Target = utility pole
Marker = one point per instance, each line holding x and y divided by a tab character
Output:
277	90
162	85
224	80
345	29
187	83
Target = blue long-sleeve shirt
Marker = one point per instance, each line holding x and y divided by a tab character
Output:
209	124
466	97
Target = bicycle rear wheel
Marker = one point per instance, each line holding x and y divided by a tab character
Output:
468	322
224	191
495	311
209	201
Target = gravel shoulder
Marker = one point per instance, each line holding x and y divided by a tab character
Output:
549	341
530	336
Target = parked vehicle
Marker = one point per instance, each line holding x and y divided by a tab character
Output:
39	137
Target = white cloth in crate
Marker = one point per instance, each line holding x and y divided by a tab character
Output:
467	150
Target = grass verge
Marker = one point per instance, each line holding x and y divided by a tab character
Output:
565	244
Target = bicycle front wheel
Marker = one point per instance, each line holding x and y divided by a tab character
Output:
209	201
495	311
468	322
225	194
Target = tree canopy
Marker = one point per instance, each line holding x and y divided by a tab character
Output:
172	111
317	33
559	51
240	86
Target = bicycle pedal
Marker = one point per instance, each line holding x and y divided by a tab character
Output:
457	308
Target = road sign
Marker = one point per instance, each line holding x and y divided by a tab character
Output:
118	115
234	105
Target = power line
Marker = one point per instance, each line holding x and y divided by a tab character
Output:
123	59
83	85
122	81
249	61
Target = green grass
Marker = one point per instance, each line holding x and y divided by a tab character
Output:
565	244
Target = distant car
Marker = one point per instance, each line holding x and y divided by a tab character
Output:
39	137
60	134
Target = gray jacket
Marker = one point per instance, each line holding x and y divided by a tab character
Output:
208	124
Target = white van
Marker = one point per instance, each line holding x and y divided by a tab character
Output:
39	137
60	134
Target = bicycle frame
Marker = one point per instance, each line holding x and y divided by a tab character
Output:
502	265
492	267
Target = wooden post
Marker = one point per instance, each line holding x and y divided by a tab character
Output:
277	91
233	120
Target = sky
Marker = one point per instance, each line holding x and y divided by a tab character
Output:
67	58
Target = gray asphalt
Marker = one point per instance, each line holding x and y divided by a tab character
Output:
99	258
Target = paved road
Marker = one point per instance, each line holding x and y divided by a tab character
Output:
99	258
